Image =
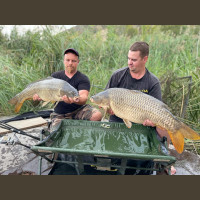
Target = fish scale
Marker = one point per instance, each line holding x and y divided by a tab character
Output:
143	109
135	106
49	90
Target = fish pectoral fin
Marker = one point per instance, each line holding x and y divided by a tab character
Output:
177	139
104	116
128	123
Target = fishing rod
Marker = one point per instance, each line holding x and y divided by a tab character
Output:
13	129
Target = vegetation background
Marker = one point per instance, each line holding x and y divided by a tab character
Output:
174	58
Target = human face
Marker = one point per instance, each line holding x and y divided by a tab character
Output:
135	62
71	62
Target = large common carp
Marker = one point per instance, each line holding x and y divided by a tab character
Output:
135	106
49	90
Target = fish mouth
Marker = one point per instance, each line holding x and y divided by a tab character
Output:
76	99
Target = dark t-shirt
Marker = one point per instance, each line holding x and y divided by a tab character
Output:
148	84
78	81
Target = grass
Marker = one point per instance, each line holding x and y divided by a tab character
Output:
33	56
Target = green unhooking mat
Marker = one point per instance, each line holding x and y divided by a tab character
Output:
105	139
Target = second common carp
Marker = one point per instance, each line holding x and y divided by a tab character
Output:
135	106
49	90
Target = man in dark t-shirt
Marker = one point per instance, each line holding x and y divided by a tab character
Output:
69	107
137	77
148	84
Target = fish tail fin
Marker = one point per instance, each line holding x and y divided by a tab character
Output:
178	136
17	102
189	133
13	101
177	139
18	106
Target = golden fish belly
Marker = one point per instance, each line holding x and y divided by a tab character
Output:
134	106
137	109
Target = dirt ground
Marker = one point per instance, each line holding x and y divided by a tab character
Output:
18	160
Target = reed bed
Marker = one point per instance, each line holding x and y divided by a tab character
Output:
35	55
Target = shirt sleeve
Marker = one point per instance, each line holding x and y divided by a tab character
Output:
113	82
84	84
53	75
116	78
57	74
109	84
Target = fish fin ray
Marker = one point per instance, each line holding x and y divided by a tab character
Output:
17	102
188	132
104	116
18	105
13	101
29	85
105	112
177	139
127	122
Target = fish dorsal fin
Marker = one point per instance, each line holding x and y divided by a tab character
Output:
48	78
165	106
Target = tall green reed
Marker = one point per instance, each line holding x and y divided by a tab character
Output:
36	55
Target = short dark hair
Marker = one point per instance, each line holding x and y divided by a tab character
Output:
71	51
143	47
